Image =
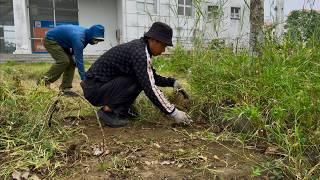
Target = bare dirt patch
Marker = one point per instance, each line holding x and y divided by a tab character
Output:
154	149
146	150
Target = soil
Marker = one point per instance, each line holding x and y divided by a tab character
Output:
146	150
155	149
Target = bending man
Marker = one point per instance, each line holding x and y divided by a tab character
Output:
64	41
116	79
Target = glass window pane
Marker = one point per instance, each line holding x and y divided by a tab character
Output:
7	31
6	3
6	47
41	3
140	6
67	16
37	14
150	8
213	11
66	4
189	2
41	20
180	10
7	39
188	11
1	32
6	15
38	46
2	46
181	2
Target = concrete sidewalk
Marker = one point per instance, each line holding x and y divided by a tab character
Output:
31	58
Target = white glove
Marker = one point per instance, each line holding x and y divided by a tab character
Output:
181	117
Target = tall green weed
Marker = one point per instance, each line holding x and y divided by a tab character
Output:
277	94
26	140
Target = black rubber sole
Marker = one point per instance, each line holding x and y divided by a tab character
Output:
111	119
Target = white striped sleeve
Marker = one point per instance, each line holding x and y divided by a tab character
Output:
157	92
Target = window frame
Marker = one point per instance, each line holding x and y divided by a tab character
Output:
145	9
214	14
7	23
185	6
10	5
55	9
235	15
56	18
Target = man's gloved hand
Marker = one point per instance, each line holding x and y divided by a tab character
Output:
181	117
178	88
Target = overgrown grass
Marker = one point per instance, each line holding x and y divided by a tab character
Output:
273	99
26	140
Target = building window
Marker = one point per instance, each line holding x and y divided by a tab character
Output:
147	6
185	7
213	12
7	30
46	14
235	13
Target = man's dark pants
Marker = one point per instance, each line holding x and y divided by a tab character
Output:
64	64
118	93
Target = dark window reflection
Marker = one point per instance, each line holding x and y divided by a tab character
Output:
7	31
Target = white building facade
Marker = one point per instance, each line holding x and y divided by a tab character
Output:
23	23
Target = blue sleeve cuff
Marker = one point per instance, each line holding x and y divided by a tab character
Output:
82	76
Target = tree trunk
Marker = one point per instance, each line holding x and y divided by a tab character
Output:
256	26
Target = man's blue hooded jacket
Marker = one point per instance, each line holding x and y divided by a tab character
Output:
76	38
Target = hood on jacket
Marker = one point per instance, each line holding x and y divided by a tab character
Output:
95	32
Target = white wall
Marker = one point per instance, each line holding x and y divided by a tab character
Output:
183	27
137	24
240	28
231	30
102	12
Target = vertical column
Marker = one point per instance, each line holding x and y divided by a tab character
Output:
124	23
279	19
22	27
120	22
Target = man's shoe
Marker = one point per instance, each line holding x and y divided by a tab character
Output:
132	112
111	119
68	92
